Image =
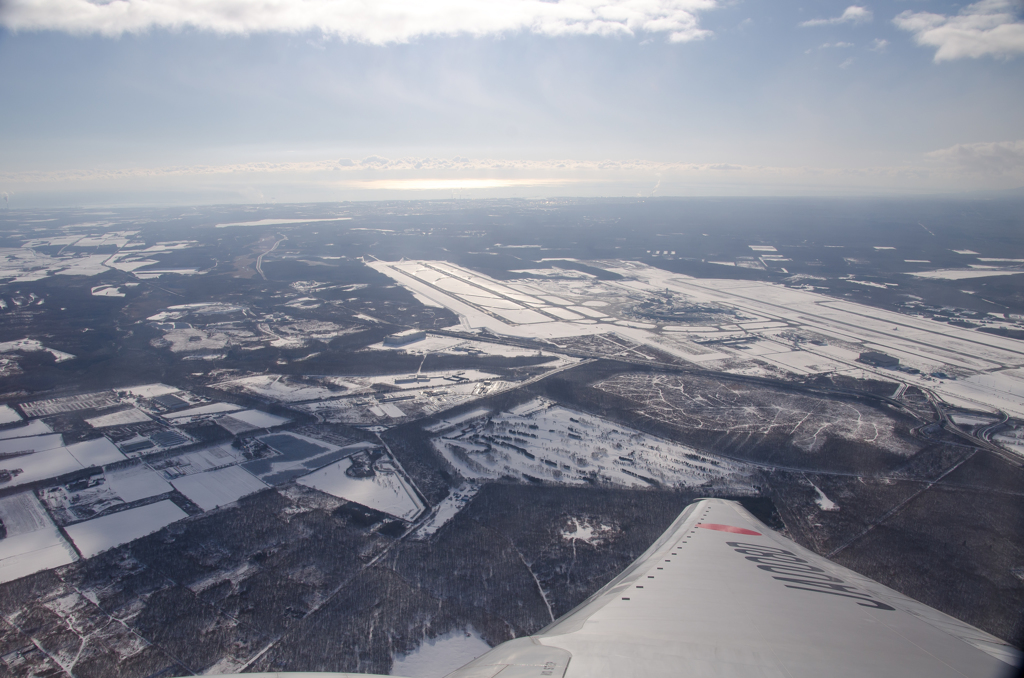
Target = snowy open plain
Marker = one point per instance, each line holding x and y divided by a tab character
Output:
100	534
33	542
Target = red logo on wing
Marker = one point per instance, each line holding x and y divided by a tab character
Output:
728	528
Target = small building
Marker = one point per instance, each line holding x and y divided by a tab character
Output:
404	337
879	359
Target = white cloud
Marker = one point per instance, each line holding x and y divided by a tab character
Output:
853	14
989	27
991	159
963	167
376	22
879	45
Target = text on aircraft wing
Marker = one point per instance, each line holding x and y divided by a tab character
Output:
721	595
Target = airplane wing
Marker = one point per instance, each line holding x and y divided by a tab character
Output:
721	595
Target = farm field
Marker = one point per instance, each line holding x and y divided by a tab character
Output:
100	534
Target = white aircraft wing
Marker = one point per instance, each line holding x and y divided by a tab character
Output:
721	595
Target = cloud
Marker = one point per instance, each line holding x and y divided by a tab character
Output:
454	184
991	159
879	45
986	28
853	14
377	22
963	167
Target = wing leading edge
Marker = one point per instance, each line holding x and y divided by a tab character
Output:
720	595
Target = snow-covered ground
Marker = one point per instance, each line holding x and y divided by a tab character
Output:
36	427
8	416
95	452
150	390
29	444
33	542
60	460
456	500
972	420
99	534
280	389
32	345
185	416
206	459
386	491
437	657
586	532
107	291
823	502
213	489
453	421
130	416
457	346
136	482
542	441
962	273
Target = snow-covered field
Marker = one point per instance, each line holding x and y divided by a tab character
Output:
456	346
136	482
95	452
130	416
107	291
280	389
386	491
99	534
29	444
962	273
151	390
33	542
456	500
552	443
36	427
8	416
437	657
60	460
185	416
213	489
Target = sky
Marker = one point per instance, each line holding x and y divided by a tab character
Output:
124	102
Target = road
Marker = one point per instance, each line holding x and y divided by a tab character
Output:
259	259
